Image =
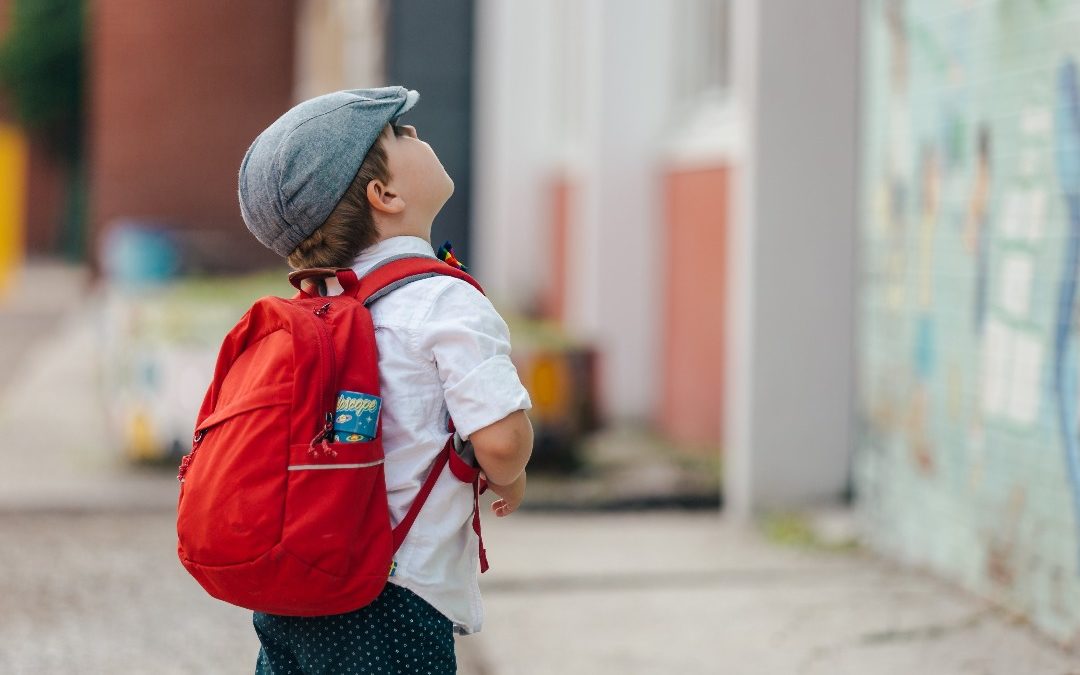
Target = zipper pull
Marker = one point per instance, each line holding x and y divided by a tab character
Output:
320	311
185	463
320	440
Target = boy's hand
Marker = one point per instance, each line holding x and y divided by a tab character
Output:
511	496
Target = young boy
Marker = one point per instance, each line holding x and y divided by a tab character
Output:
337	182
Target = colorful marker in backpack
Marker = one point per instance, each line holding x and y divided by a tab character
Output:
357	417
446	254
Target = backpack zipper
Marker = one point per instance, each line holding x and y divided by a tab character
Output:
185	463
327	371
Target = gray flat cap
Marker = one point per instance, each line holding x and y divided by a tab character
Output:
297	170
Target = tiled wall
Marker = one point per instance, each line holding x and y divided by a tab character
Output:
968	457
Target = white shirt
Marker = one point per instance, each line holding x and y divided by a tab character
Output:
443	349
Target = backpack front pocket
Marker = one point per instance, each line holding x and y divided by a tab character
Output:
231	498
336	515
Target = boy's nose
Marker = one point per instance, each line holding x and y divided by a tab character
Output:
409	129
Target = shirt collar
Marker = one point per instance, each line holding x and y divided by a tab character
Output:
403	245
372	255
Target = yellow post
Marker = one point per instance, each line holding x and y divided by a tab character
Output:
14	152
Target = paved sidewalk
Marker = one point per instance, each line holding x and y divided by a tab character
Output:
693	593
42	293
55	448
666	593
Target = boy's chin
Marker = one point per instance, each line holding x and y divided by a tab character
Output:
447	193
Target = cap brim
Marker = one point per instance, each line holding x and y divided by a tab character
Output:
411	97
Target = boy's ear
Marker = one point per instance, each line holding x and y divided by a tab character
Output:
383	199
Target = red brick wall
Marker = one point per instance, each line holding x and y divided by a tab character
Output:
46	199
177	92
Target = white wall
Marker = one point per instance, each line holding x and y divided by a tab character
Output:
789	404
513	145
617	100
616	265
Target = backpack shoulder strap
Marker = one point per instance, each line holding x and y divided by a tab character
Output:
397	271
384	278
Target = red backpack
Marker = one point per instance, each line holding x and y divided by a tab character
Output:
272	516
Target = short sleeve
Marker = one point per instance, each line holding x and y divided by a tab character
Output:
470	344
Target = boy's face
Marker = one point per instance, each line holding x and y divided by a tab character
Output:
416	174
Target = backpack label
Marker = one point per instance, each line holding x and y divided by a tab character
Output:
357	417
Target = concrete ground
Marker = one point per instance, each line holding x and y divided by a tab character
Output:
101	592
90	581
693	593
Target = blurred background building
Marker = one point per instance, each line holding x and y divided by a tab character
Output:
836	240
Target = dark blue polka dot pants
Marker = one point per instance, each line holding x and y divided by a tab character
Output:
397	633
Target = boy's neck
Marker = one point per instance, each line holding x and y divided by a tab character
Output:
391	230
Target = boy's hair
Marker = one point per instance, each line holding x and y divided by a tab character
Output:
350	227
